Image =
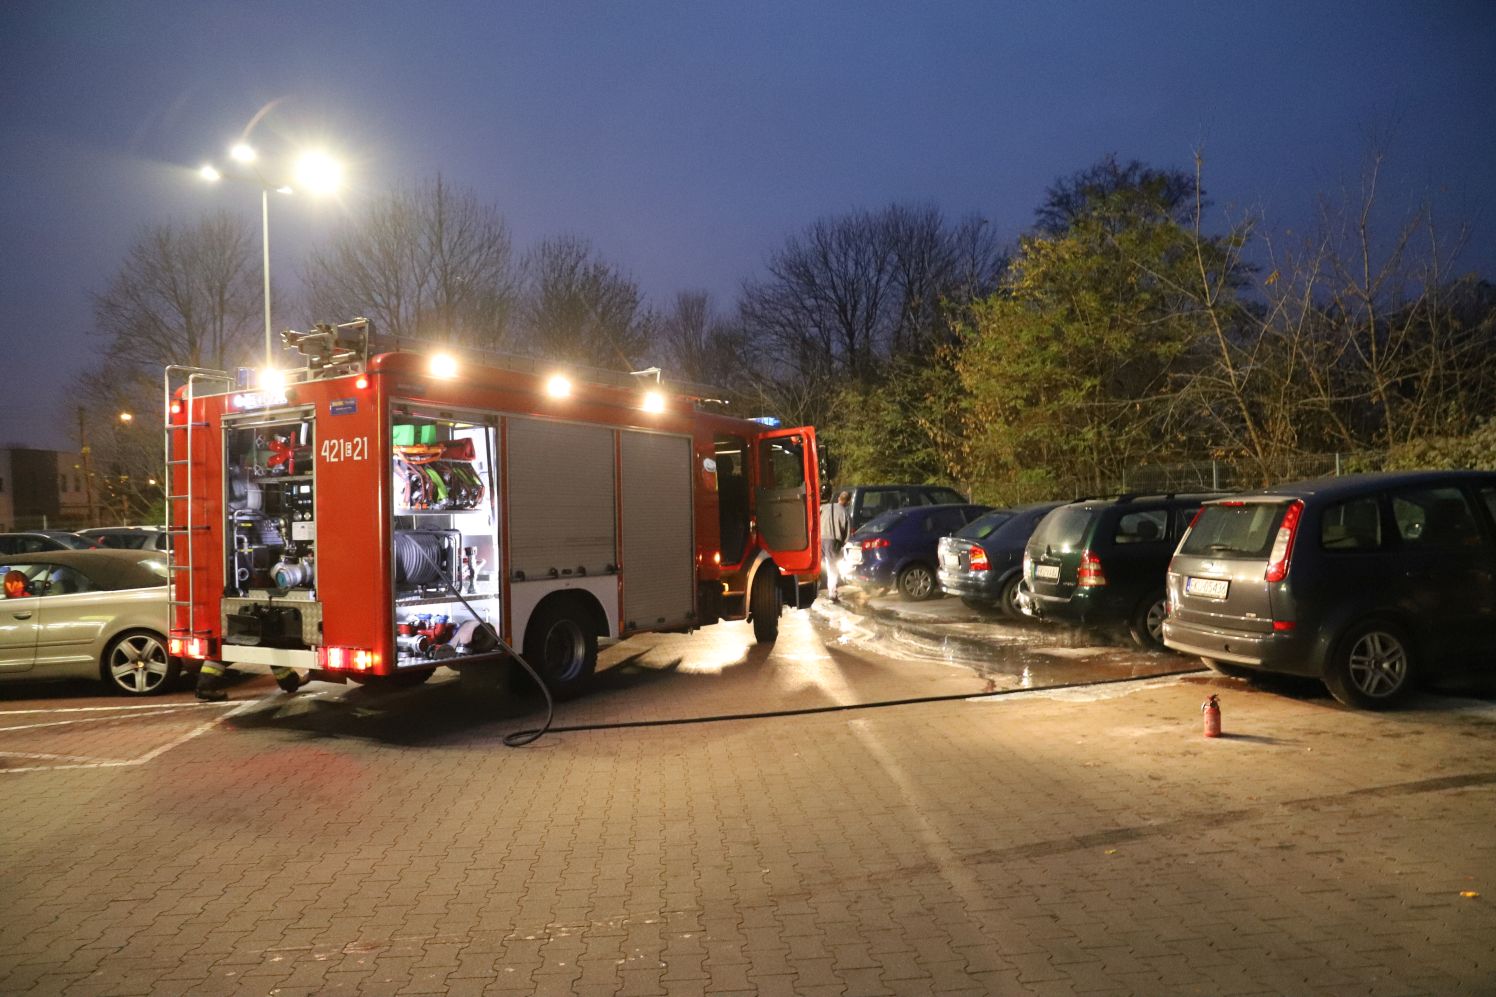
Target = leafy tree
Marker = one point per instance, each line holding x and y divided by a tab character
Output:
426	262
1068	367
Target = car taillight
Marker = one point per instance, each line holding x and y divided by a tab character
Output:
978	559
1028	566
1277	561
1090	574
877	543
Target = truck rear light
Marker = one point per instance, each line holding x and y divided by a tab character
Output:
1282	625
1277	561
353	659
189	647
877	543
978	559
1090	574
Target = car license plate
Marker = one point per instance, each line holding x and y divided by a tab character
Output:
1047	572
952	560
1207	588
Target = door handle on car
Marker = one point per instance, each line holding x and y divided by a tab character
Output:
22	616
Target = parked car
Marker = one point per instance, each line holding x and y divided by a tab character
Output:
1367	582
983	561
127	537
873	500
35	540
99	614
1102	562
898	548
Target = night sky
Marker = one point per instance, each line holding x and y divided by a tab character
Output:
688	140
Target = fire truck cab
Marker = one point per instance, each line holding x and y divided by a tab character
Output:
377	515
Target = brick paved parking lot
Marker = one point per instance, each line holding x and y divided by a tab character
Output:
1087	840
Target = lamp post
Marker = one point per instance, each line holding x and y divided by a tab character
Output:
315	172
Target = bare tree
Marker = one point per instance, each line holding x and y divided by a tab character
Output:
428	262
577	307
186	295
854	291
698	344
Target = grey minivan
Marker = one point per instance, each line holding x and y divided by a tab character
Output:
1367	582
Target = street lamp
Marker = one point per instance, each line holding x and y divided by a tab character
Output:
316	172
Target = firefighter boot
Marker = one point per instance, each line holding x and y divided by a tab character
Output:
208	682
288	678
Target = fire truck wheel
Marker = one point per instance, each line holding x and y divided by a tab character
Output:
136	664
562	648
765	605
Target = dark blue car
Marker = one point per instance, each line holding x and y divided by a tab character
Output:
983	562
897	549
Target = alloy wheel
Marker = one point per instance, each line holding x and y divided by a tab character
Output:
139	664
1378	664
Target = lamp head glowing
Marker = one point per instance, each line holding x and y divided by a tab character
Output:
210	173
443	365
319	173
654	401
559	386
242	152
272	379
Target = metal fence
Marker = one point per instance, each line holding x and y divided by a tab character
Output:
1226	476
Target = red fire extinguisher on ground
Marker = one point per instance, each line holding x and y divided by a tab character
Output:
1211	710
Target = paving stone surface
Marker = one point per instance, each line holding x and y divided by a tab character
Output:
1084	842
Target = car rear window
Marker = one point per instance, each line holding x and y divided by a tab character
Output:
983	526
882	523
1234	530
1064	528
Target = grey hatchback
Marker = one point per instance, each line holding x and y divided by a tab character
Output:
1366	582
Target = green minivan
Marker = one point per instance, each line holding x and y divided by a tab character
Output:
1102	562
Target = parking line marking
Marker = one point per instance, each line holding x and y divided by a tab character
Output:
82	720
149	756
122	706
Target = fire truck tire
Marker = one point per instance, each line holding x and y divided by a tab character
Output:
765	604
562	646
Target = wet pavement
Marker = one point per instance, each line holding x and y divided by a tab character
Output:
1046	819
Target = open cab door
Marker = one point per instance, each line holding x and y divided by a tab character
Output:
786	498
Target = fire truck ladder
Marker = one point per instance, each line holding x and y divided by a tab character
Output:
182	523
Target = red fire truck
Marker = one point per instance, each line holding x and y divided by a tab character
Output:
363	519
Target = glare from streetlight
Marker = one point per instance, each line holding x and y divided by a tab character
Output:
127	417
210	173
319	173
242	153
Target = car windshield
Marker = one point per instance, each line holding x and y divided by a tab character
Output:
1234	530
983	526
1064	529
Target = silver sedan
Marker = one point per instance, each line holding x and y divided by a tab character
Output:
99	614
